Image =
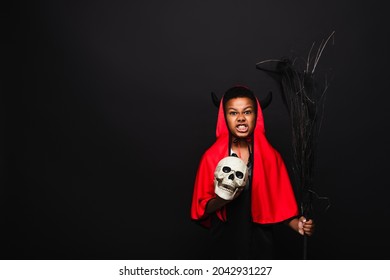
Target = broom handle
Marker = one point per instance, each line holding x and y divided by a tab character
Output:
305	247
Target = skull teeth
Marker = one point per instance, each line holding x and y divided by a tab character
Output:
228	188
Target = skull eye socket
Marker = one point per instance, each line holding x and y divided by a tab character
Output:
226	169
239	175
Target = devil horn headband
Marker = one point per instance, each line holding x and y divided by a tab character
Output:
263	103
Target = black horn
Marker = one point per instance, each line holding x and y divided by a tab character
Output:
215	99
266	101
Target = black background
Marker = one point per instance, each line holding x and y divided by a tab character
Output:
106	111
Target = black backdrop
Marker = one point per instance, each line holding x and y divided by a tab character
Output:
106	111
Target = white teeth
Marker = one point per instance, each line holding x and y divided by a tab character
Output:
242	127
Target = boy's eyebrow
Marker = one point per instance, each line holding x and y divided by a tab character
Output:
246	108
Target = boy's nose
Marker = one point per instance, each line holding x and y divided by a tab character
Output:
241	117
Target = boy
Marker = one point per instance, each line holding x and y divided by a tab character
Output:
242	227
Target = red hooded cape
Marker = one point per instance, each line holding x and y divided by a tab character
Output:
272	196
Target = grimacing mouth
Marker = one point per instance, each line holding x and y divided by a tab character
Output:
241	124
242	128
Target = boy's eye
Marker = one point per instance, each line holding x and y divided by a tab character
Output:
233	113
248	112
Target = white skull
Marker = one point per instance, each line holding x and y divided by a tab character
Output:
230	174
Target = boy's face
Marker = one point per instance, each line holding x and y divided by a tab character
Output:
240	116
